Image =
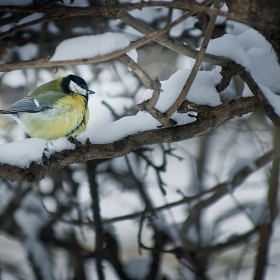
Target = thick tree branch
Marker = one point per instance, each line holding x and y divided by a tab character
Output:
209	118
103	10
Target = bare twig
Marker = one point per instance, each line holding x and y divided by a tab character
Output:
171	43
164	118
45	62
148	204
222	188
143	75
31	23
197	64
151	103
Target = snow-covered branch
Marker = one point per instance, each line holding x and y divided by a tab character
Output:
199	162
208	120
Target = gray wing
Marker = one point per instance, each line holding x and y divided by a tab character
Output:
27	105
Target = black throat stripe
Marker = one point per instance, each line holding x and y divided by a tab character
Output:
77	127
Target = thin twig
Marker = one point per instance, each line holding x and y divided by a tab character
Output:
145	197
172	44
31	23
151	103
197	64
45	62
142	74
222	187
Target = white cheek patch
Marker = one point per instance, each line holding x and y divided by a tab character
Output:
36	102
77	89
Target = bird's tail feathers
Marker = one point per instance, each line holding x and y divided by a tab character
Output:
6	112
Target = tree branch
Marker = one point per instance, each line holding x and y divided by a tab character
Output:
172	44
143	75
45	62
197	64
31	23
209	118
103	10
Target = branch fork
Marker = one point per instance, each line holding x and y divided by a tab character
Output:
149	106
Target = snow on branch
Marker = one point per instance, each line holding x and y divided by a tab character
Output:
130	133
151	34
208	120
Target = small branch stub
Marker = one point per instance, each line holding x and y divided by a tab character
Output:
161	117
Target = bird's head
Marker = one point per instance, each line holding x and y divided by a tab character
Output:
75	84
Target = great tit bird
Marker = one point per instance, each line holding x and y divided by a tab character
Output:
56	109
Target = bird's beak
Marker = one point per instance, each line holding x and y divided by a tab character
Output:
90	92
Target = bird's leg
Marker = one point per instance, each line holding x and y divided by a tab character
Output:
45	159
73	140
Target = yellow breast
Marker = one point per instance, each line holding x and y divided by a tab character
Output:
68	117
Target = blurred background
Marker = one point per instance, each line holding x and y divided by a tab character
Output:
154	202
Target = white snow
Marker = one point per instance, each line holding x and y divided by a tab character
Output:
120	128
89	46
272	98
255	53
9	78
202	91
250	49
264	68
30	150
229	47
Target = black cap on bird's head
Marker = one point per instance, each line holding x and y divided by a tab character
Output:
75	84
